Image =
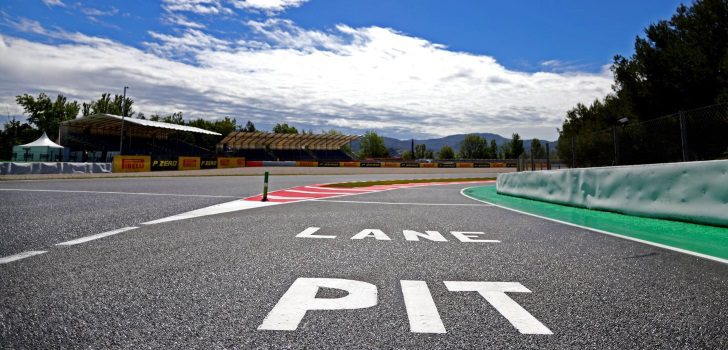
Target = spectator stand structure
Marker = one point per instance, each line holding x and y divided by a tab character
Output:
97	138
262	146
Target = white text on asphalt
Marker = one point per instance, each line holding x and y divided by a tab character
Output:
422	312
409	235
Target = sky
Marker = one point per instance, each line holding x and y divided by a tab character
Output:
404	68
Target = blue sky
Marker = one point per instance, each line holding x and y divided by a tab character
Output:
404	68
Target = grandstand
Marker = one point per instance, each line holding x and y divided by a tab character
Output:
96	137
302	147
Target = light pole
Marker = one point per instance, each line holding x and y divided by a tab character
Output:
123	114
621	122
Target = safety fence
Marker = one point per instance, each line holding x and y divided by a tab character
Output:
125	164
693	135
150	163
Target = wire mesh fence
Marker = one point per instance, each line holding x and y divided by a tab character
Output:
699	134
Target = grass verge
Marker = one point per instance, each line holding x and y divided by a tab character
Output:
702	239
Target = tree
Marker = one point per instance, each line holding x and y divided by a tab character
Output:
473	147
284	129
174	118
679	64
46	114
407	155
15	133
493	150
420	151
515	148
107	105
429	154
537	149
446	152
249	127
372	146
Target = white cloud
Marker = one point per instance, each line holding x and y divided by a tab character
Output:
93	12
190	41
180	20
51	3
267	5
204	7
350	78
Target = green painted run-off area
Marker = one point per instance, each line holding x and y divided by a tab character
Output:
708	240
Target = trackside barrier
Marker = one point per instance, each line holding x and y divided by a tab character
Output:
253	163
22	168
349	164
692	191
131	164
278	163
188	163
208	163
307	163
230	162
465	165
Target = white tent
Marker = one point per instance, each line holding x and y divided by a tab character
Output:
42	149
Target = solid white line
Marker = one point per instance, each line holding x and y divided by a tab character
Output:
405	203
19	256
97	236
679	250
108	192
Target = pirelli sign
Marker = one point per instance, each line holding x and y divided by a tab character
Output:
131	164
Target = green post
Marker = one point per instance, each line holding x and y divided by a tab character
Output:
265	188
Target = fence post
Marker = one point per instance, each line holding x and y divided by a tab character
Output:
548	158
533	165
684	136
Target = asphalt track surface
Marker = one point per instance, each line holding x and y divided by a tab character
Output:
210	282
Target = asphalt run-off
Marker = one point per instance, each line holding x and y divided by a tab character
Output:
202	262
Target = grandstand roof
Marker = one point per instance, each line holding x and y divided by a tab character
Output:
135	126
258	140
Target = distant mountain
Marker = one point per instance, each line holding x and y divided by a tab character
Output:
452	141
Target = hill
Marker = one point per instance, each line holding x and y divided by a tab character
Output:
453	141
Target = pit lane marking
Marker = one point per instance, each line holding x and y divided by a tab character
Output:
96	236
22	255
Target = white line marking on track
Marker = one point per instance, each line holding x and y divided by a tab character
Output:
22	255
108	192
405	203
97	236
213	210
679	250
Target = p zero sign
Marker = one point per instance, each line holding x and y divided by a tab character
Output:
188	163
131	164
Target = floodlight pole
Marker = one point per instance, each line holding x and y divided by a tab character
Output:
123	114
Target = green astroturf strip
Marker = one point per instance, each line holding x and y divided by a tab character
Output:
709	240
